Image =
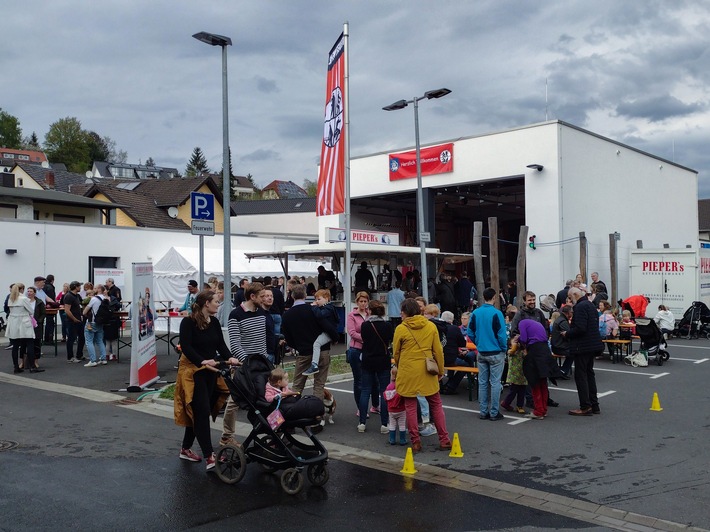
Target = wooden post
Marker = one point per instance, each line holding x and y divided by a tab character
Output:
614	295
493	253
478	260
520	266
583	256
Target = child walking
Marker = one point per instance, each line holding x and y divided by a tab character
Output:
324	311
516	379
395	408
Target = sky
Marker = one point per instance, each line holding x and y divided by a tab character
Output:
636	71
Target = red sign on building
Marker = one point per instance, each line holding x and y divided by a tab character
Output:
434	160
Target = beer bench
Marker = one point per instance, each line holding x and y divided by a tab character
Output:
617	351
472	374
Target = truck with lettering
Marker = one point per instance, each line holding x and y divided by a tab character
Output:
671	277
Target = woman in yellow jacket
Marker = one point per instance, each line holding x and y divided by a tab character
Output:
415	339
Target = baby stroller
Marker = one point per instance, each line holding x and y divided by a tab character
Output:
652	340
547	303
273	448
695	322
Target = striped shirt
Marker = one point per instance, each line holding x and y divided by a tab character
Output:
247	332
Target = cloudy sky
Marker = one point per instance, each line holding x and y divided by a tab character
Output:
637	71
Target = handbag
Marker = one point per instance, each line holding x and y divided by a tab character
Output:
431	365
388	348
33	321
276	418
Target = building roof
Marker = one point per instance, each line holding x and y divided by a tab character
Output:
161	172
63	180
56	198
704	215
242	182
139	207
10	157
286	189
274	206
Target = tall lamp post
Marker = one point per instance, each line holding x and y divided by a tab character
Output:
220	40
424	237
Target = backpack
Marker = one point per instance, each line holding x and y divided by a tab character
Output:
603	326
103	314
114	304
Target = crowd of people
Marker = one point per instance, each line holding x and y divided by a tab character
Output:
31	321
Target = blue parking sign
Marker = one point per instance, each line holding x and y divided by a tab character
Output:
202	206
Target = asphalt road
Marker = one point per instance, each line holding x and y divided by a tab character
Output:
84	463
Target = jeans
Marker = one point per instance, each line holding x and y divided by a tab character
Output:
437	417
353	357
370	379
94	336
490	371
424	407
65	324
277	323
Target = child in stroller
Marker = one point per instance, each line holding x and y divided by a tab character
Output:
273	448
652	340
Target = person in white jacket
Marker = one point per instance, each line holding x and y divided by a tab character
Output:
20	329
665	320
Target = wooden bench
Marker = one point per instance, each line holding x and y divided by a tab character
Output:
472	374
617	351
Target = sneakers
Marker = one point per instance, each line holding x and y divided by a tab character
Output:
519	409
312	370
361	427
111	356
428	430
384	429
189	455
91	364
497	417
103	362
73	360
209	464
532	415
375	410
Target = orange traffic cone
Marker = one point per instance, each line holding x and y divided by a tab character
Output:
655	404
456	447
408	467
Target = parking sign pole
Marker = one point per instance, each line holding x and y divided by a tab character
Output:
202	262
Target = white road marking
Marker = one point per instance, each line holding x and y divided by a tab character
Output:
695	361
630	372
702	360
660	375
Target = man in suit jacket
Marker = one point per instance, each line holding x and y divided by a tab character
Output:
301	328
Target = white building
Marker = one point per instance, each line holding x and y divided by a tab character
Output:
587	183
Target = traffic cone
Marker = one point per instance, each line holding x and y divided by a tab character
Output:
655	404
456	447
409	463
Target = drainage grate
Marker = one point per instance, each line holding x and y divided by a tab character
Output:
7	445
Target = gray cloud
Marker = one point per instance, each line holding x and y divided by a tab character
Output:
261	155
658	108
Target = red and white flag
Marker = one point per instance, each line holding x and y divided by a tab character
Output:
331	179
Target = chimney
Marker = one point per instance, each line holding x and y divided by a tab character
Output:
49	178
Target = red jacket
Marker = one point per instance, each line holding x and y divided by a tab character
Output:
638	305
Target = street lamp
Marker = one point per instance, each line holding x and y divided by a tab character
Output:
424	237
220	40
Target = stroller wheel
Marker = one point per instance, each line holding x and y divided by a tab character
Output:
659	359
318	474
665	355
230	464
292	481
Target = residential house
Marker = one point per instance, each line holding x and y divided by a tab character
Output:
282	189
10	157
131	171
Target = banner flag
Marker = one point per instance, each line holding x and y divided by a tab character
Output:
434	160
331	178
144	360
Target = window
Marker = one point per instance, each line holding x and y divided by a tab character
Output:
69	218
121	172
8	211
23	157
8	155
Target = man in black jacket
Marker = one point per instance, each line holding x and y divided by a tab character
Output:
584	344
528	311
301	328
559	341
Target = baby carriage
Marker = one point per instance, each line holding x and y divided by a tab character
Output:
695	322
275	448
652	340
547	303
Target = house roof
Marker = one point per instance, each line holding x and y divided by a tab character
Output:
242	182
63	180
274	206
104	169
704	215
286	189
141	208
9	156
56	198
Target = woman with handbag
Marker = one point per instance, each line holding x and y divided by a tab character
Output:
376	362
39	312
20	329
420	364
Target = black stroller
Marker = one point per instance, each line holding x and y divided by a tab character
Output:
695	322
273	449
652	340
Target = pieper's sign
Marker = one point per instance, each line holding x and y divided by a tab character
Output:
434	160
358	236
662	266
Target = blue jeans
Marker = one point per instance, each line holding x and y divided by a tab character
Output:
490	371
352	356
94	336
423	406
277	323
370	378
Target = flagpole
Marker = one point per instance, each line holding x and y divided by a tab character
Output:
347	293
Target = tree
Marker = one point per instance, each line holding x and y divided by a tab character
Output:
31	142
197	164
98	151
10	132
114	154
67	143
311	188
150	162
